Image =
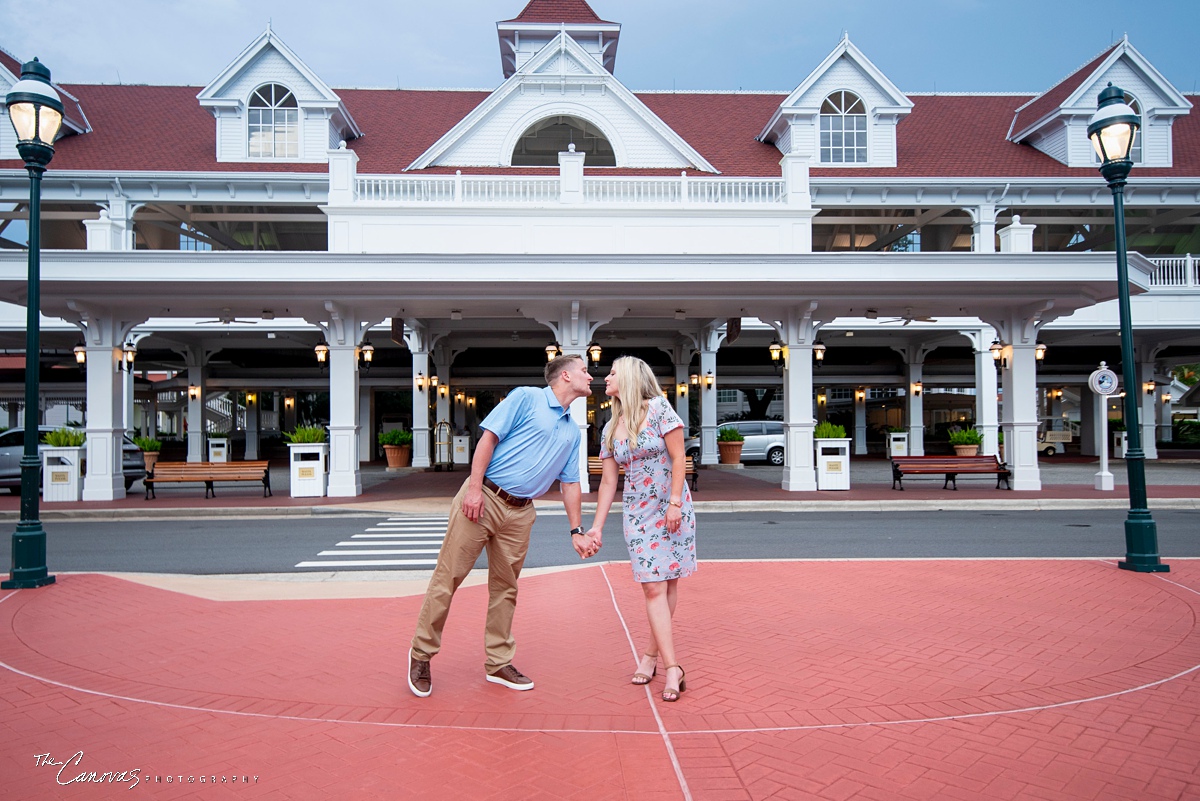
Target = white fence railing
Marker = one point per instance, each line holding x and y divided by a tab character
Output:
622	190
1176	272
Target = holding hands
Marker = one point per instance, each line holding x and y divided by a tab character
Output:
588	543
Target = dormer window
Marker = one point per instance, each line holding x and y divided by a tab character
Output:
541	143
843	129
274	123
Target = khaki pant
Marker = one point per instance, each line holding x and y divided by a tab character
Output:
504	531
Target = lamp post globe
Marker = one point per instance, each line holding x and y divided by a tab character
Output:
36	113
1112	130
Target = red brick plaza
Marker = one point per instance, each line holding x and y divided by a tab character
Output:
976	679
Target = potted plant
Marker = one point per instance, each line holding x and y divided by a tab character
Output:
965	441
150	448
832	456
729	445
62	464
308	454
397	446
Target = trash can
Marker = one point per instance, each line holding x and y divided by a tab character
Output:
897	443
462	449
218	449
1119	444
61	476
833	463
310	469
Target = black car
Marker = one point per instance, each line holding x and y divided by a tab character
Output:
12	448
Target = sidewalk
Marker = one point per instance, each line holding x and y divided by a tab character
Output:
873	681
1066	483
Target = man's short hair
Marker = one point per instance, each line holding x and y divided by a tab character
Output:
558	364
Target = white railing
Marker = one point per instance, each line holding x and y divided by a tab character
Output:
1176	272
617	190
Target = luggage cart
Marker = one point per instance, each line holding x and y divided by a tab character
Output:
443	446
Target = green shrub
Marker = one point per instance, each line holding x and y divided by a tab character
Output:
896	429
966	436
828	430
1187	432
148	444
397	436
305	435
729	435
65	438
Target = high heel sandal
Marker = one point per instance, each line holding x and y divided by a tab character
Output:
671	696
641	679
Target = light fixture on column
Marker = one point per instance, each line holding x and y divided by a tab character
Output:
594	351
822	398
420	380
917	387
443	391
1166	397
860	395
471	401
251	398
433	381
1039	350
366	352
819	352
1149	387
681	389
695	379
80	351
776	350
289	402
321	349
709	379
460	396
193	392
552	351
128	354
996	349
1112	130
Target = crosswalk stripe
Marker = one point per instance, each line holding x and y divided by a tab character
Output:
372	534
373	543
405	535
386	552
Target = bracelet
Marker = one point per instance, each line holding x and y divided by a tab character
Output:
675	503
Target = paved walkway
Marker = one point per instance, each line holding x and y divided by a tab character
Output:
873	680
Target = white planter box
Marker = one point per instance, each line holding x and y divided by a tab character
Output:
833	463
218	449
897	443
1119	444
61	474
309	469
462	450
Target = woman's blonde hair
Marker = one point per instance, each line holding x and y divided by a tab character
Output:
636	384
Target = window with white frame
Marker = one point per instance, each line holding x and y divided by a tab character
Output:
273	123
843	129
541	143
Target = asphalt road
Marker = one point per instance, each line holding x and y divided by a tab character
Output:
335	542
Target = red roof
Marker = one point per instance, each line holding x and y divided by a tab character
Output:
10	62
944	136
1049	101
557	11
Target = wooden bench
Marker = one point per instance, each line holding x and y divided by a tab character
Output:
596	468
949	466
208	472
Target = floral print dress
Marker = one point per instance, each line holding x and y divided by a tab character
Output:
655	553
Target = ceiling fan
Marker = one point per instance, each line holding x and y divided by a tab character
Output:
226	318
909	317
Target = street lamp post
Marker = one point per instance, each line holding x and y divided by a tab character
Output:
1112	130
36	113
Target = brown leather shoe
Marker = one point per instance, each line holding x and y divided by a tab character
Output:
511	678
419	680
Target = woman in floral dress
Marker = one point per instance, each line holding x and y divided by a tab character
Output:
645	436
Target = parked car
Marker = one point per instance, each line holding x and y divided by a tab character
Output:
12	447
764	441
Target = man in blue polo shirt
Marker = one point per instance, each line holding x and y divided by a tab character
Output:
529	440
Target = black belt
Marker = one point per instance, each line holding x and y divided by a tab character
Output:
511	500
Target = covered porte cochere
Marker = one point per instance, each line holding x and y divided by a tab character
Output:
677	303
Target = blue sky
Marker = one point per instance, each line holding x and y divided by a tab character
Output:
922	45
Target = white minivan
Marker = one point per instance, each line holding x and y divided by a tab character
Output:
764	440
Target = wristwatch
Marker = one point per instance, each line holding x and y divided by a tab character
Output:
576	530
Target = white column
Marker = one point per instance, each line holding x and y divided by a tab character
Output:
570	176
579	415
1017	237
442	359
252	407
983	228
103	334
345	480
798	330
197	375
1148	404
1164	413
987	406
708	406
366	422
1020	421
860	421
420	408
682	359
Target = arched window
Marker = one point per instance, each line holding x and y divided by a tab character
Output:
843	129
274	123
541	143
1135	152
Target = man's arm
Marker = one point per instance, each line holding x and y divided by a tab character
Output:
473	500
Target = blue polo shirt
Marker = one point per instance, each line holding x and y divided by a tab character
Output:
539	442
